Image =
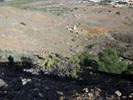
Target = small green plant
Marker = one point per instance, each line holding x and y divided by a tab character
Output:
76	33
117	13
58	14
109	62
23	23
83	59
90	46
50	62
47	62
75	8
73	40
109	11
74	61
74	74
71	10
79	62
104	2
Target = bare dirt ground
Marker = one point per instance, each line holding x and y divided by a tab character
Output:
64	26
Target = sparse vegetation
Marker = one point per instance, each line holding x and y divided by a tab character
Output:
109	11
49	62
75	8
104	2
117	13
23	23
76	66
73	40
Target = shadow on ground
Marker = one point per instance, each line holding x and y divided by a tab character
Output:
18	84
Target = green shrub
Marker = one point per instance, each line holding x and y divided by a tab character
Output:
74	74
73	40
47	62
79	62
130	69
85	58
117	13
74	61
23	23
109	62
104	2
75	8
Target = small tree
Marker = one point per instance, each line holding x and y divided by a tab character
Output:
109	62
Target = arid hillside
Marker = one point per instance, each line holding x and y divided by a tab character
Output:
57	27
65	50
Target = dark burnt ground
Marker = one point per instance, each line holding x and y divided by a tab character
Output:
39	86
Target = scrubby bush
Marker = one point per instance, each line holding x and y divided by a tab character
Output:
78	63
109	62
117	13
79	66
104	2
47	62
130	69
85	58
74	61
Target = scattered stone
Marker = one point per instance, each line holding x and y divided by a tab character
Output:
131	95
95	0
5	92
47	88
76	94
69	28
2	83
59	93
124	97
62	98
40	94
85	90
75	27
79	98
97	92
90	95
75	50
118	93
112	96
25	81
91	73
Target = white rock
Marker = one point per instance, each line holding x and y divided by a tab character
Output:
90	95
60	93
85	90
95	0
47	88
25	81
118	93
2	83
